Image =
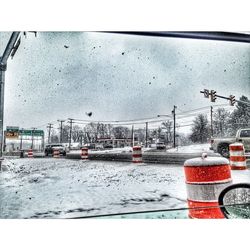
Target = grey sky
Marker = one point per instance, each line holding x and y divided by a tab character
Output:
117	77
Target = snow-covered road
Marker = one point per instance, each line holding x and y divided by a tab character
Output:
63	188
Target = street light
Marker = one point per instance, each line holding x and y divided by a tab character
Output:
163	115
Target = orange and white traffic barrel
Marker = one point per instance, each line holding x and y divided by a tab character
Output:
137	154
56	153
206	177
84	154
237	156
30	153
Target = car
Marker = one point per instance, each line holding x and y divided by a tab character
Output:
50	147
221	145
160	146
89	146
108	146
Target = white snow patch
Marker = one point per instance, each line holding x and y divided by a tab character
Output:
63	188
114	150
208	161
196	148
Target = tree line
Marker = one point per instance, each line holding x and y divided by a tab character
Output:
225	123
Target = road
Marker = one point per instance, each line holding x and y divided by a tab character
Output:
151	156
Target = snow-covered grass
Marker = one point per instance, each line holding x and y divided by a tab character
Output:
41	188
62	188
195	148
113	150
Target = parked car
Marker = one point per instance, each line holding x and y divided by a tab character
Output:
160	146
50	147
221	145
90	146
108	146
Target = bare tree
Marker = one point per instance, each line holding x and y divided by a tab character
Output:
121	132
168	125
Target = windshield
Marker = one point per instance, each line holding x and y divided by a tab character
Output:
110	100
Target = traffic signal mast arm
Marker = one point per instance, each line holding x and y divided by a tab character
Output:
223	97
231	98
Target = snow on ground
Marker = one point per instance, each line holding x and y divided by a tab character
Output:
106	151
119	150
63	188
196	148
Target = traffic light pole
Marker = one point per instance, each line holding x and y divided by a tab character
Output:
3	68
146	143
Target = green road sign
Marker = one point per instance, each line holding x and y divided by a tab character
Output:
28	132
12	129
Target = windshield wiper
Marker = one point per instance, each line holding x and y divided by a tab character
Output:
156	211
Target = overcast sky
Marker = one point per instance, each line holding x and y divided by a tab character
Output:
117	77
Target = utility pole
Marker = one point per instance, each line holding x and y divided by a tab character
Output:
174	117
32	137
9	50
132	136
61	122
21	139
81	139
43	142
49	127
211	118
220	123
70	131
146	143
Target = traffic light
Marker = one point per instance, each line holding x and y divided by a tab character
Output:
232	100
213	95
206	93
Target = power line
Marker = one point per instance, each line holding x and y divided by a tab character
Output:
142	120
151	120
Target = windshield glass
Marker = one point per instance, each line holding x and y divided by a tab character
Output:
101	95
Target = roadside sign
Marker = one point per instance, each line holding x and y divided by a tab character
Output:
12	128
11	134
29	132
14	132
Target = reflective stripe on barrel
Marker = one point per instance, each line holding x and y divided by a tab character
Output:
205	191
30	153
237	156
205	179
84	154
137	154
